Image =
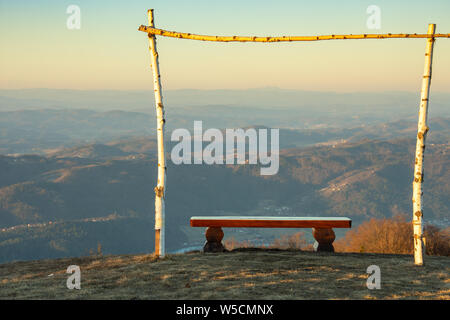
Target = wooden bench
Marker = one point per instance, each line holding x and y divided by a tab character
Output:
322	228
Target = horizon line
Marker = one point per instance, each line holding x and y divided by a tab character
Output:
218	89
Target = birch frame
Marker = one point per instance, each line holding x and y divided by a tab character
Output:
422	122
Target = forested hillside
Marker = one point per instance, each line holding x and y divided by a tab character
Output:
70	202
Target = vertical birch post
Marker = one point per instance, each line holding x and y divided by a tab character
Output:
422	130
160	121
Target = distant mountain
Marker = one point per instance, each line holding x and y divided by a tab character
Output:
48	131
272	107
65	204
97	151
269	97
42	131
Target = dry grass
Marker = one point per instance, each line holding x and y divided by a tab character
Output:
240	274
379	236
394	236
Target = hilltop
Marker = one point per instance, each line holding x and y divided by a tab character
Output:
239	274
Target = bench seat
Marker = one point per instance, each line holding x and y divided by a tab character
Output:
322	228
272	222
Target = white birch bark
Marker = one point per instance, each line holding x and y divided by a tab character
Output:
191	36
160	121
422	130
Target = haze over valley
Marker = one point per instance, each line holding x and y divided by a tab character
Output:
78	168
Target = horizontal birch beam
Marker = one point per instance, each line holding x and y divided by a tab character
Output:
191	36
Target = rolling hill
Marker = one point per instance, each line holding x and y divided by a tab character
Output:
66	204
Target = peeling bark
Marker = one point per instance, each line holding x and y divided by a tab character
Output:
160	121
181	35
422	130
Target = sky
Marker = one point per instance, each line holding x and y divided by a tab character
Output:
108	52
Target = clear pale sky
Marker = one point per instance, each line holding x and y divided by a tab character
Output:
38	51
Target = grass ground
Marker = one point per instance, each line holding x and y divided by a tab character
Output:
240	274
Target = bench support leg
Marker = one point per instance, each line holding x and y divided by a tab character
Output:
214	236
324	238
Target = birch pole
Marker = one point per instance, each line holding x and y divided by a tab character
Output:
422	130
192	36
160	121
